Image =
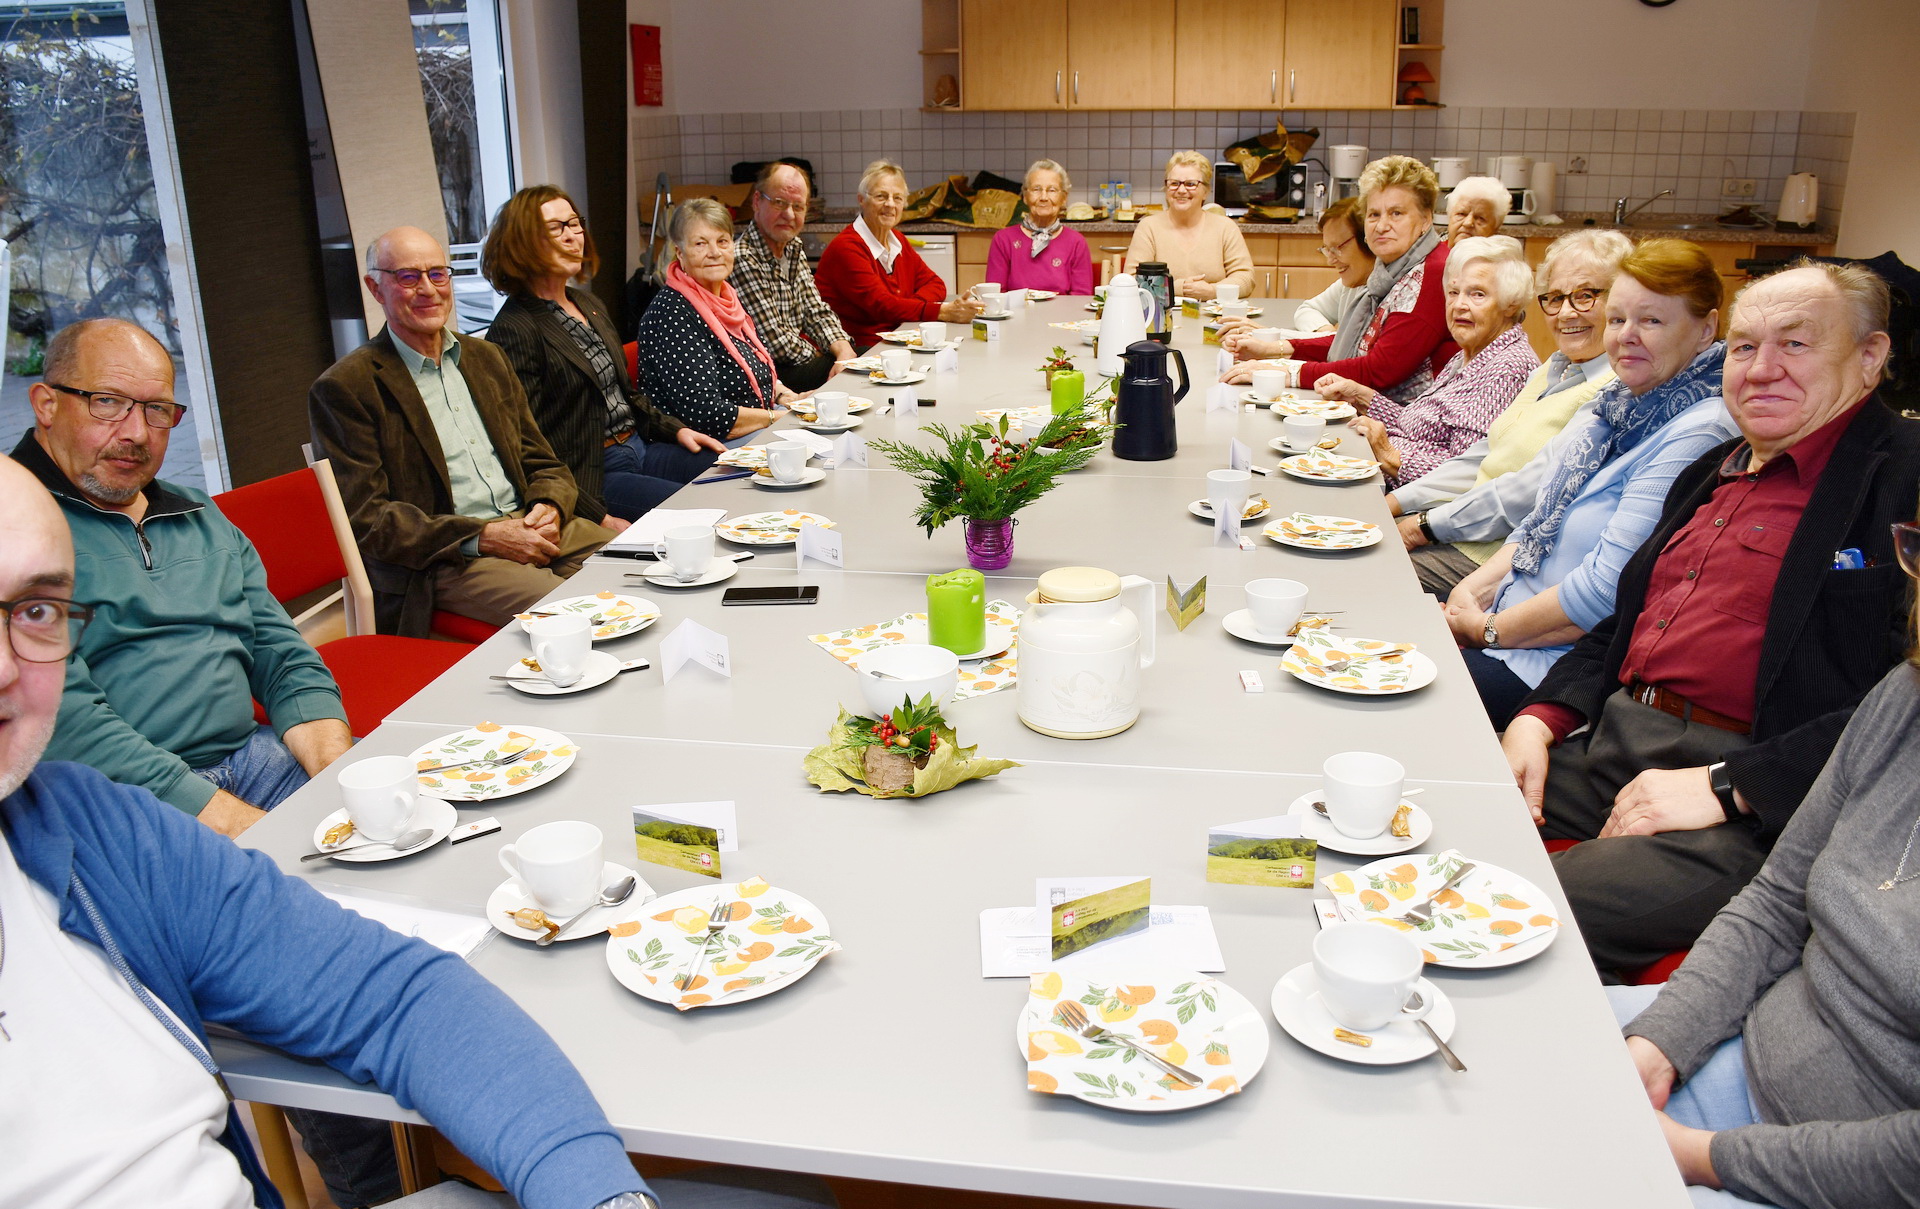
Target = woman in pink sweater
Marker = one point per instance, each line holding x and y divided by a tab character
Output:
872	278
1040	252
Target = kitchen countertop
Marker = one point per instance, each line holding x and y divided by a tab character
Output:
1661	225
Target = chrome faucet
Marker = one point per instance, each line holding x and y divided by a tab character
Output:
1621	214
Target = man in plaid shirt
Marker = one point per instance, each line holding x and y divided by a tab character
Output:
776	286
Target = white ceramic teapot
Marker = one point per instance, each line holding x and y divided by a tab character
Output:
1084	637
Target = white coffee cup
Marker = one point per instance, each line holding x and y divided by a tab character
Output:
1269	384
986	290
1269	335
1226	292
896	362
380	793
933	334
559	864
1301	433
1234	310
788	460
1275	605
687	550
1366	973
830	406
1227	490
562	644
1361	790
996	304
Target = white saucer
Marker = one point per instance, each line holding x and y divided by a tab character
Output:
601	667
1279	445
999	639
912	377
1239	623
1204	510
1316	826
932	348
427	812
817	426
510	896
1297	1007
661	576
808	477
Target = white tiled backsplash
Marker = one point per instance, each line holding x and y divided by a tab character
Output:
1625	152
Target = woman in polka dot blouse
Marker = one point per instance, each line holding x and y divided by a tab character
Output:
700	358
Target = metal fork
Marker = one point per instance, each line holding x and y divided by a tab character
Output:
1074	1017
496	761
596	619
717	920
1422	912
1344	664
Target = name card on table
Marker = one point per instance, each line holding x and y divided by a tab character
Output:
1224	362
982	330
1223	396
1226	530
693	642
1261	852
947	360
821	545
906	404
1086	911
1239	455
689	836
849	449
1183	607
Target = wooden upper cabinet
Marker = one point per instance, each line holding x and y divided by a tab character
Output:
1120	54
1229	54
1339	54
1013	55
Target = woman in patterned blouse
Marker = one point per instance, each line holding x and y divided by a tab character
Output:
1487	280
701	359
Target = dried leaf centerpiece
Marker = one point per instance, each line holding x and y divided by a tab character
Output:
909	752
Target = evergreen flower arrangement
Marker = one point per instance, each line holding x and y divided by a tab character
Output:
978	472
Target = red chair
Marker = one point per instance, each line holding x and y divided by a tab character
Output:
1660	970
633	362
293	522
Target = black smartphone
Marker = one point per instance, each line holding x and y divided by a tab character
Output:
770	596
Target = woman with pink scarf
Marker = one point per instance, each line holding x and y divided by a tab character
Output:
700	358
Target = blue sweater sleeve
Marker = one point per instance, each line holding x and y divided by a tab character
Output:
1586	594
275	959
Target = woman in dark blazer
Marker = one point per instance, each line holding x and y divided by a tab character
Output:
626	454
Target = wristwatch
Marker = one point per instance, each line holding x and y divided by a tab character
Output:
1492	632
630	1200
1426	530
1722	782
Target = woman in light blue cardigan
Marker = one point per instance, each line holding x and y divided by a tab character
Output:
1555	579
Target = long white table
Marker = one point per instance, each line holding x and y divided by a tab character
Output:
844	1073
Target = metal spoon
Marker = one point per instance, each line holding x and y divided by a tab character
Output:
612	896
404	843
1413	1004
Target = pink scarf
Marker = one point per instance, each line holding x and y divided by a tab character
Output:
726	318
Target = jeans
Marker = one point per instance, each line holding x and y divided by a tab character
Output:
1501	692
641	474
261	772
711	1188
1715	1097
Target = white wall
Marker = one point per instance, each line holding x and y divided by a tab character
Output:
543	65
813	54
1697	54
1861	50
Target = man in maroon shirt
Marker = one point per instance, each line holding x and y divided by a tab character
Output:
1765	604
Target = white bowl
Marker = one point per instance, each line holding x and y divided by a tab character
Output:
924	671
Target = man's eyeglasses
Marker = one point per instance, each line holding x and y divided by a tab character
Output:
114	408
1580	300
1906	547
44	630
1333	251
438	275
556	228
783	205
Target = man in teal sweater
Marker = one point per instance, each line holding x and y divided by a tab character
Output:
186	635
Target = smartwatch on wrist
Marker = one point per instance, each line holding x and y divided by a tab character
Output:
1426	530
1722	782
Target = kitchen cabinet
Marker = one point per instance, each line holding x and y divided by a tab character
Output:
1287	266
1012	55
970	250
1119	54
1340	54
1228	54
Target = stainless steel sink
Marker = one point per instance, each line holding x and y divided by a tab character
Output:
1666	225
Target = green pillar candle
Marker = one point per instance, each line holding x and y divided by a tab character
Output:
957	611
1069	390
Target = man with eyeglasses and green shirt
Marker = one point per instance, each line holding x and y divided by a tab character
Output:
775	284
185	635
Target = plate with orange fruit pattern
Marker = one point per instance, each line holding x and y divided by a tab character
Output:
544	755
1492	917
1190	1019
773	939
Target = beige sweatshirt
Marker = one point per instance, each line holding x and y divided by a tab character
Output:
1214	250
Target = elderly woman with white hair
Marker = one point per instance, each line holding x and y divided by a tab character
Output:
1454	517
1486	282
1040	252
872	278
1475	207
1201	250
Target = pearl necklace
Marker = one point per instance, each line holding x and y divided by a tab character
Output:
1896	879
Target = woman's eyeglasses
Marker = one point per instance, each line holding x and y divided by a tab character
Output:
1332	252
1906	547
1185	186
1580	300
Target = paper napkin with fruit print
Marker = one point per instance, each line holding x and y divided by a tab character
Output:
1315	653
1182	1022
976	678
1484	914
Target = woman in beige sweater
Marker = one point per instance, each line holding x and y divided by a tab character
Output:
1200	250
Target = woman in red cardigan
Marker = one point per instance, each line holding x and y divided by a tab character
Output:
872	278
1393	336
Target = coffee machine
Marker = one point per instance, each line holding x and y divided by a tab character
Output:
1345	163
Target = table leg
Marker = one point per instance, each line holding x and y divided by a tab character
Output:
276	1150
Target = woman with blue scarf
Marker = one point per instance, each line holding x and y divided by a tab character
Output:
1040	252
1555	578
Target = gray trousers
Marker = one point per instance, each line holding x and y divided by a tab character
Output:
1639	897
493	589
710	1188
1441	567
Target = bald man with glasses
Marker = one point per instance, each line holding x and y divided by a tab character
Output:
775	284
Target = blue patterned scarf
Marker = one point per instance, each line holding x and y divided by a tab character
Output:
1621	420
